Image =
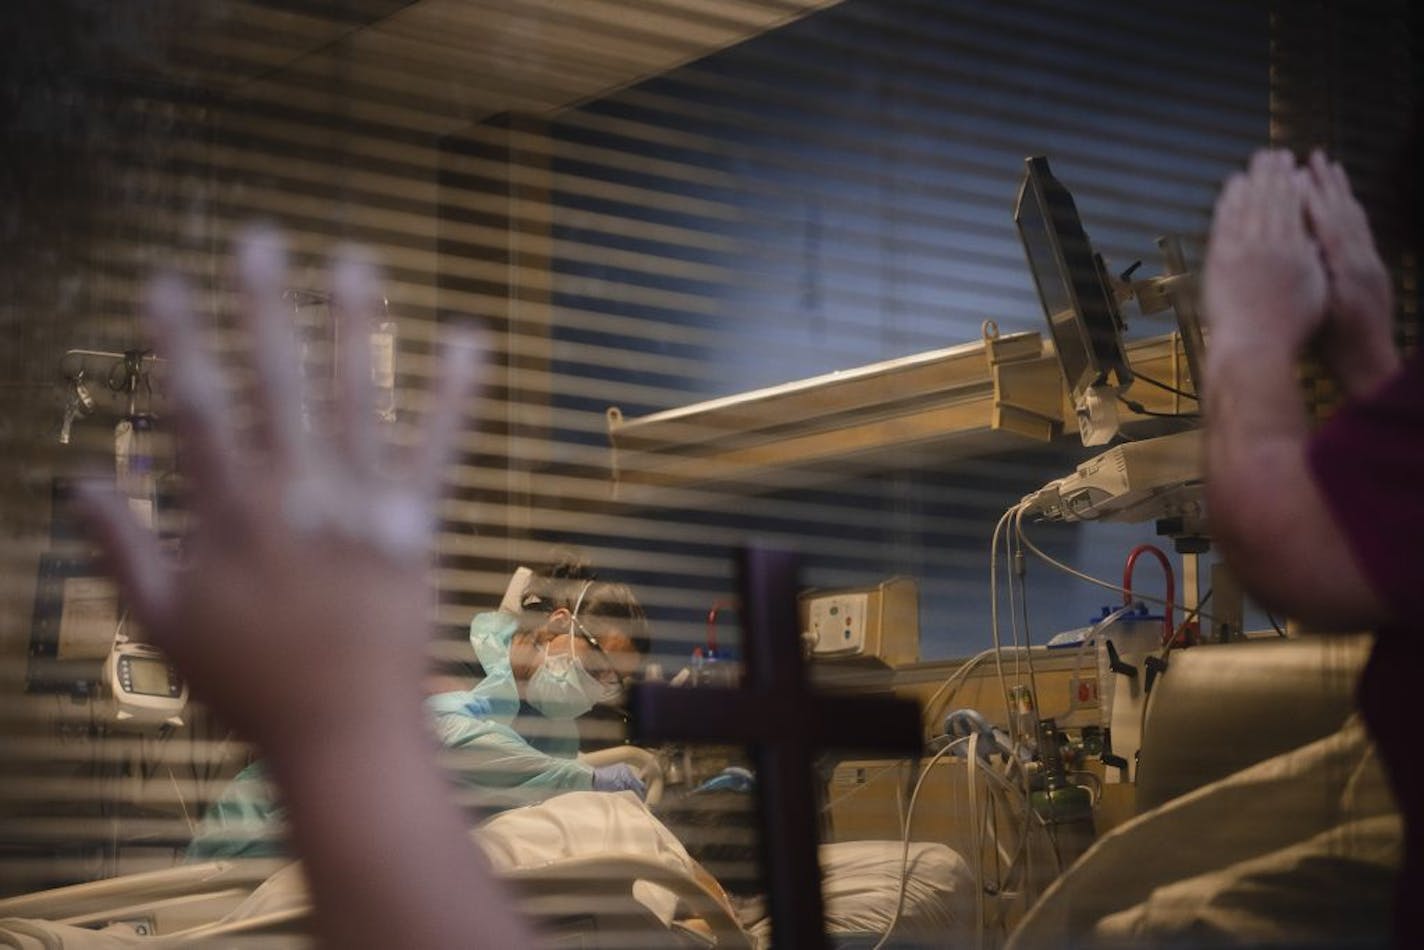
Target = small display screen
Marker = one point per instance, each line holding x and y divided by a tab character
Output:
1081	313
148	677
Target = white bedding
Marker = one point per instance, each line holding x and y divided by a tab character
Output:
571	825
1301	849
40	935
1331	890
861	878
861	886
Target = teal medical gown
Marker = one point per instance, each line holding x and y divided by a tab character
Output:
483	751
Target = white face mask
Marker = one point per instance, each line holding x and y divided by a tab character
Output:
562	688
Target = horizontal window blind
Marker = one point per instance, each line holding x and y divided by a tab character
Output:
654	208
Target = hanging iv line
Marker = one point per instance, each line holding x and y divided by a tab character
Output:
383	348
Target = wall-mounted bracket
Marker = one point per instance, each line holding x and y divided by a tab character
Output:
1028	387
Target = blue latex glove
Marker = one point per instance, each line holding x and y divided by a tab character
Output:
618	778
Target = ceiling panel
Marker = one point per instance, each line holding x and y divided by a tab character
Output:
438	65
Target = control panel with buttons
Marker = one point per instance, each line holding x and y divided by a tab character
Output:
878	624
143	687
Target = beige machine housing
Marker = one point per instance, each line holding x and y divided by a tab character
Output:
877	624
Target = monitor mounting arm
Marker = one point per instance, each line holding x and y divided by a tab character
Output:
1176	290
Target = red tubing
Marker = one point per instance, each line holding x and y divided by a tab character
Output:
1171	583
712	626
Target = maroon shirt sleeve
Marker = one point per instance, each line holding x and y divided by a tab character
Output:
1369	462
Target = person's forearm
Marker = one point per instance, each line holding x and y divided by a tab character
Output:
1253	393
1255	437
487	754
1266	512
493	764
388	855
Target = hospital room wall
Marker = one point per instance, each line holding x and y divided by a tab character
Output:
171	173
838	192
815	199
66	286
172	192
178	198
177	176
97	189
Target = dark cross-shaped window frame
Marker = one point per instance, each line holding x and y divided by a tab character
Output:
786	724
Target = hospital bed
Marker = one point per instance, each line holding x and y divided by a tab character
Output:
596	869
1264	816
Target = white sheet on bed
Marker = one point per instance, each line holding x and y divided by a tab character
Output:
589	824
572	825
861	878
1301	848
576	824
1330	889
39	935
860	885
579	824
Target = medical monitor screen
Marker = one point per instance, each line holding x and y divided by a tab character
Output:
1082	316
150	677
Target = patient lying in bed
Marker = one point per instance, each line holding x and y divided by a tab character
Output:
576	834
499	748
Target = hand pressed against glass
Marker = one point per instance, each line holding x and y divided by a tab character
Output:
1265	286
307	567
1359	327
299	611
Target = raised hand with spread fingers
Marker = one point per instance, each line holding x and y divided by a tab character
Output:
299	610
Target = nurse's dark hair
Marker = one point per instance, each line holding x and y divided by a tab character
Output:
604	603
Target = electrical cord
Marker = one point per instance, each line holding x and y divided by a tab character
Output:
1020	568
192	828
1015	512
907	821
1020	865
1013	605
1142	410
1160	385
1014	515
1107	585
1167	649
978	839
1003	787
1096	789
1009	514
994	621
1007	867
1024	853
1186	621
1020	857
952	684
